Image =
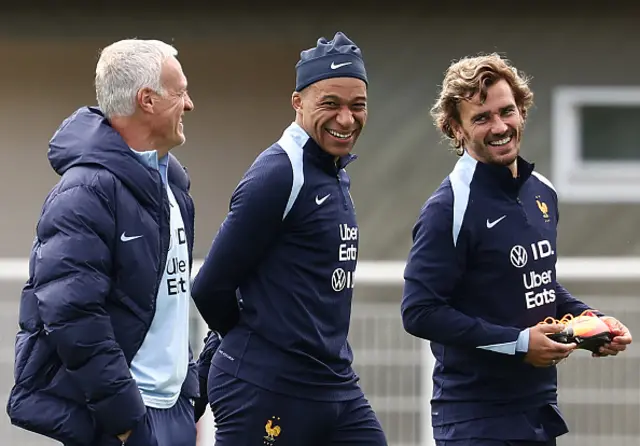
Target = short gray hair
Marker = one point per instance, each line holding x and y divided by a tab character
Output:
124	68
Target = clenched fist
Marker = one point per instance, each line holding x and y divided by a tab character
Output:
543	352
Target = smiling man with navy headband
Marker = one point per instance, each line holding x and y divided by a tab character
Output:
277	283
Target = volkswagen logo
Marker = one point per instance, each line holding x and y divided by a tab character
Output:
518	256
170	240
338	279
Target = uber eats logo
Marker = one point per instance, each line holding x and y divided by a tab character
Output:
177	273
539	284
342	278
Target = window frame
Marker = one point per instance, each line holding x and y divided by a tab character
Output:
579	180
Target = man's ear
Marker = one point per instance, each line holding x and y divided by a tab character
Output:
146	98
296	101
456	130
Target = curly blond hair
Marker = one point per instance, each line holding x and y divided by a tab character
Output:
468	76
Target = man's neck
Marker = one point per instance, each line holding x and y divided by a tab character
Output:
513	167
298	121
136	136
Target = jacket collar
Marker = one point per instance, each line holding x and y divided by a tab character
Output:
501	177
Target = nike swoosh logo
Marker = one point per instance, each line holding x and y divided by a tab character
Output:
335	66
319	200
491	224
126	238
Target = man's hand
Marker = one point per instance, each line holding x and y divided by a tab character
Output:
543	352
124	437
621	338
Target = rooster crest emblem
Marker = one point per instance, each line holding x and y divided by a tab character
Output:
543	208
272	430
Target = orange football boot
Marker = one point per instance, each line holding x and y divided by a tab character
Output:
587	331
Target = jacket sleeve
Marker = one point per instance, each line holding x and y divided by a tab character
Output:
434	268
72	280
253	222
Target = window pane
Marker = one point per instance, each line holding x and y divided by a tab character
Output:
610	133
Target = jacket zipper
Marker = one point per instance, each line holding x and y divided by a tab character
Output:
163	251
344	197
163	257
524	213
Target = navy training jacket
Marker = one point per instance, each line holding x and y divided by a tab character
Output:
90	298
286	255
483	268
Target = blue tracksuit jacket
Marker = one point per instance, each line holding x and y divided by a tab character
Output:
286	255
481	270
90	298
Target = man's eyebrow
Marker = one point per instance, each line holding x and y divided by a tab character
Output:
332	97
480	115
338	99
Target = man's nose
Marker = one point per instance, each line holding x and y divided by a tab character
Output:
498	126
188	103
345	118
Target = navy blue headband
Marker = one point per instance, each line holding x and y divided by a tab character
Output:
339	57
